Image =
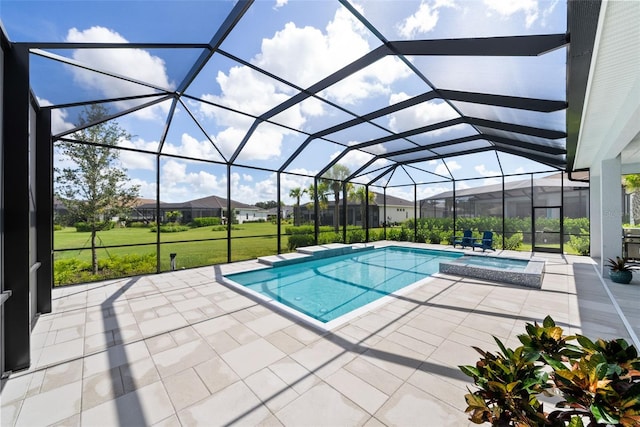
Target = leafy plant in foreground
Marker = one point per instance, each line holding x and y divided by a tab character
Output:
599	382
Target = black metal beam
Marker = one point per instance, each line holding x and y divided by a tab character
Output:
44	210
491	46
582	24
531	104
225	28
511	127
15	177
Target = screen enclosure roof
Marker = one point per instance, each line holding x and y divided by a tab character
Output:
399	93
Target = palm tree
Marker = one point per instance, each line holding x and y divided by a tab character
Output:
334	179
322	196
297	193
360	195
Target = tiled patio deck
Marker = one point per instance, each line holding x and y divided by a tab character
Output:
181	349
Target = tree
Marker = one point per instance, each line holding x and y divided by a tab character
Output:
297	193
360	195
95	187
268	205
334	179
632	182
322	196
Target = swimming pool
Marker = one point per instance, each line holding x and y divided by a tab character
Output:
328	288
523	272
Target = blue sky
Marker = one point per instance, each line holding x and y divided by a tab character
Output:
303	42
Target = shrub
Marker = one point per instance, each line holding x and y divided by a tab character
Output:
580	244
512	242
70	271
597	381
356	236
206	221
300	240
138	224
329	237
57	227
85	227
170	228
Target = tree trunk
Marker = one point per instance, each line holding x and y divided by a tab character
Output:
94	255
336	214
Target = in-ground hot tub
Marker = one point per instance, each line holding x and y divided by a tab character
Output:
524	272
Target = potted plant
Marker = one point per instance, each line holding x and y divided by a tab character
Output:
620	271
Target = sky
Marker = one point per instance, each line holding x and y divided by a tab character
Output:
302	42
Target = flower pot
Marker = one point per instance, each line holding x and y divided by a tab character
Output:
621	276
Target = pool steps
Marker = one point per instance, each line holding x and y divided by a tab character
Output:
308	253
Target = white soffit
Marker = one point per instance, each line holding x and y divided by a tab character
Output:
611	116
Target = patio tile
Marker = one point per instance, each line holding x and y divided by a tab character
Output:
242	334
182	357
394	358
51	406
114	356
161	324
374	375
144	406
98	342
216	374
69	334
363	394
61	352
72	421
412	406
235	404
160	343
270	389
185	388
101	388
284	342
243	359
221	342
294	374
9	413
322	406
323	357
59	375
14	388
269	324
138	374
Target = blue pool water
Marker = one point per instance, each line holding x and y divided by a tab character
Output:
328	288
494	262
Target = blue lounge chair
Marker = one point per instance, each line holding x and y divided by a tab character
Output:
465	241
485	243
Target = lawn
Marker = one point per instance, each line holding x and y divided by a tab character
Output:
250	241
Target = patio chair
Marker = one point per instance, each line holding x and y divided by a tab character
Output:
485	243
466	240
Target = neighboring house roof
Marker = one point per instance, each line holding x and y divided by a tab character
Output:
378	200
209	202
510	186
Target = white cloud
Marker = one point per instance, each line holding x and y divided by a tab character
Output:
419	115
483	171
507	8
424	19
280	3
134	63
303	55
441	169
191	147
58	117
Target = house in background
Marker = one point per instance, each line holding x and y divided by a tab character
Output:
397	211
518	200
211	206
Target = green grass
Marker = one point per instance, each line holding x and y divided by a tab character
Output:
190	254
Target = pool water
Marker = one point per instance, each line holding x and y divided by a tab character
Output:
328	288
494	262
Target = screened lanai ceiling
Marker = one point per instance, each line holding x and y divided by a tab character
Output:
398	92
